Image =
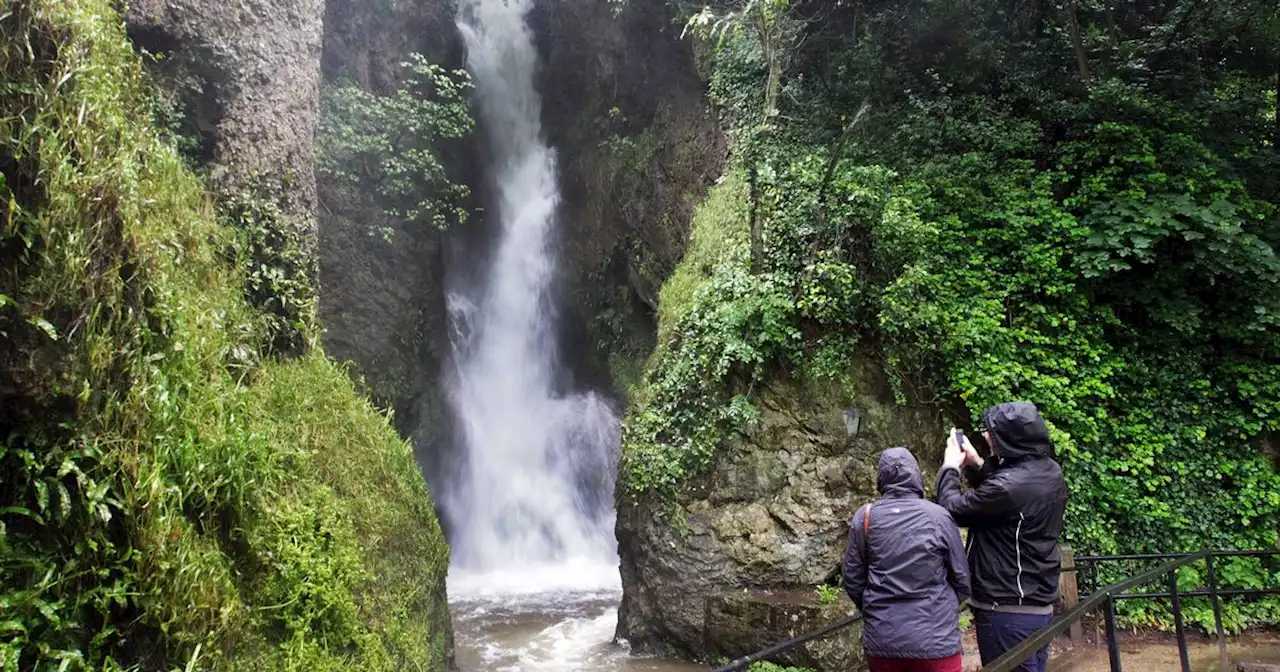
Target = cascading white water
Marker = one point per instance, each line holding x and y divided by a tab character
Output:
532	498
534	581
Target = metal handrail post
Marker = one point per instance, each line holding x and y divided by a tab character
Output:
1177	621
1113	644
1217	612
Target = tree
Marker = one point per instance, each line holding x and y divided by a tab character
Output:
776	32
389	145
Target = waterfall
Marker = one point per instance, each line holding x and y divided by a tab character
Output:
532	489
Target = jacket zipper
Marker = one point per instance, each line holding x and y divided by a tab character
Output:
1017	548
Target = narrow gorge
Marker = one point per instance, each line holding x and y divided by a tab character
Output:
566	334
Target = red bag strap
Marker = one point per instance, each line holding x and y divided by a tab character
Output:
866	528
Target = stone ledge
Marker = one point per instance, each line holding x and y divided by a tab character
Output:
740	622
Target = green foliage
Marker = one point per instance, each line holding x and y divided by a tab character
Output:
390	144
722	330
827	594
280	262
1071	207
766	666
170	494
719	231
770	27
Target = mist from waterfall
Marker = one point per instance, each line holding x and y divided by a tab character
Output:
530	496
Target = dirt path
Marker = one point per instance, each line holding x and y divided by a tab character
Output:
1150	654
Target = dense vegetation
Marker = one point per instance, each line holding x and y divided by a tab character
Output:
388	146
174	490
1073	203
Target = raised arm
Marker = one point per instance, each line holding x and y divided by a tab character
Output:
977	473
986	503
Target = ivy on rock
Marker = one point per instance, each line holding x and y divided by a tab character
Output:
1076	208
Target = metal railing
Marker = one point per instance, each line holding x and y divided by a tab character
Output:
743	662
1107	597
1104	598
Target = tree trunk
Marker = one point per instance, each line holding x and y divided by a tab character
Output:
769	32
1077	42
773	85
834	161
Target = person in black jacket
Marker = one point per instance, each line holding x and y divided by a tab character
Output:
1014	516
905	569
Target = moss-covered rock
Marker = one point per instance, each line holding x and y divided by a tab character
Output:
738	619
746	450
770	514
239	85
172	494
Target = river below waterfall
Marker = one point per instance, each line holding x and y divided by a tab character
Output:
544	620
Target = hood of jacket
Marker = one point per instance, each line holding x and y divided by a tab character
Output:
1018	430
899	474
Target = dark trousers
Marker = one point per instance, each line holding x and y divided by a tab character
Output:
999	631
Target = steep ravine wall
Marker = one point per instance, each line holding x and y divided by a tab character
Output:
206	498
241	81
638	145
247	76
381	300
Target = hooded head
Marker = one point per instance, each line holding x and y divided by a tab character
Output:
899	474
1017	430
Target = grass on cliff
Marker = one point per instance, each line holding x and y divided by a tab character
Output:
718	235
171	494
723	331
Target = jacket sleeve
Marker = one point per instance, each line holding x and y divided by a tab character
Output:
985	504
956	561
855	561
980	474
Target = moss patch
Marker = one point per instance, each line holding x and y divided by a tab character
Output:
170	494
719	233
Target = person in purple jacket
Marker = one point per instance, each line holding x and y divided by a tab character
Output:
905	569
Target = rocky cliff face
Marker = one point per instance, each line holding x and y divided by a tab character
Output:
246	77
735	570
638	146
381	302
241	82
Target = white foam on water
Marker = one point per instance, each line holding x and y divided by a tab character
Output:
561	632
573	576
